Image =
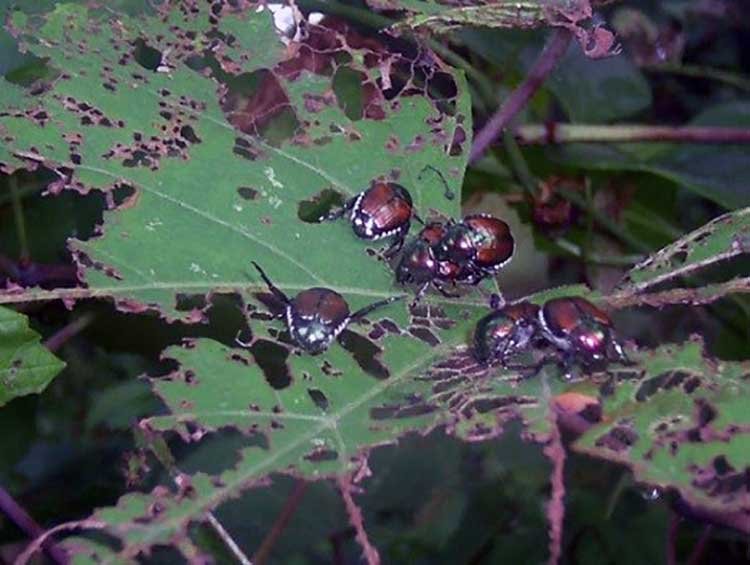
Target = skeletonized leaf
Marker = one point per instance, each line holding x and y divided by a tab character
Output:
724	237
684	424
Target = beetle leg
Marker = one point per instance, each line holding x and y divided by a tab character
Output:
441	289
497	301
397	243
338	213
277	292
616	352
362	312
419	295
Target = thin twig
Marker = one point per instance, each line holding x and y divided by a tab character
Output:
227	539
700	547
34	546
547	61
282	520
555	451
59	338
23	520
553	133
671	543
370	554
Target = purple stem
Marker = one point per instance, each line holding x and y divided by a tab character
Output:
547	61
27	525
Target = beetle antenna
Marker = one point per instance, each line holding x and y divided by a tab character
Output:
449	194
278	293
362	312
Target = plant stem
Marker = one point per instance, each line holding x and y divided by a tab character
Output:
697	71
555	451
163	454
553	51
23	520
59	338
290	507
518	164
34	546
23	240
553	133
370	554
228	540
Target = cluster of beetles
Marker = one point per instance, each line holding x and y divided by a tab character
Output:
452	253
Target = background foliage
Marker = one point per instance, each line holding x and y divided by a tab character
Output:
148	155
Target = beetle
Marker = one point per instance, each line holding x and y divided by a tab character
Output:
316	316
418	264
505	332
383	210
582	331
480	243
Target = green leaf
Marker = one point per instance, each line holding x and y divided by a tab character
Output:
26	367
597	91
202	228
683	424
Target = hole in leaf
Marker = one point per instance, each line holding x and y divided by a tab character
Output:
271	358
319	206
320	399
425	335
121	194
722	466
347	85
147	57
256	104
322	454
247	193
188	302
365	354
34	73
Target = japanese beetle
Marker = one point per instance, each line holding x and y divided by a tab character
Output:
581	331
505	332
316	316
418	264
480	243
383	210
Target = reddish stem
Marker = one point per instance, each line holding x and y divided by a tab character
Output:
672	530
555	451
290	507
547	61
23	520
371	554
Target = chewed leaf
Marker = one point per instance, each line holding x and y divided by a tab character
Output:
228	140
722	238
26	367
682	424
